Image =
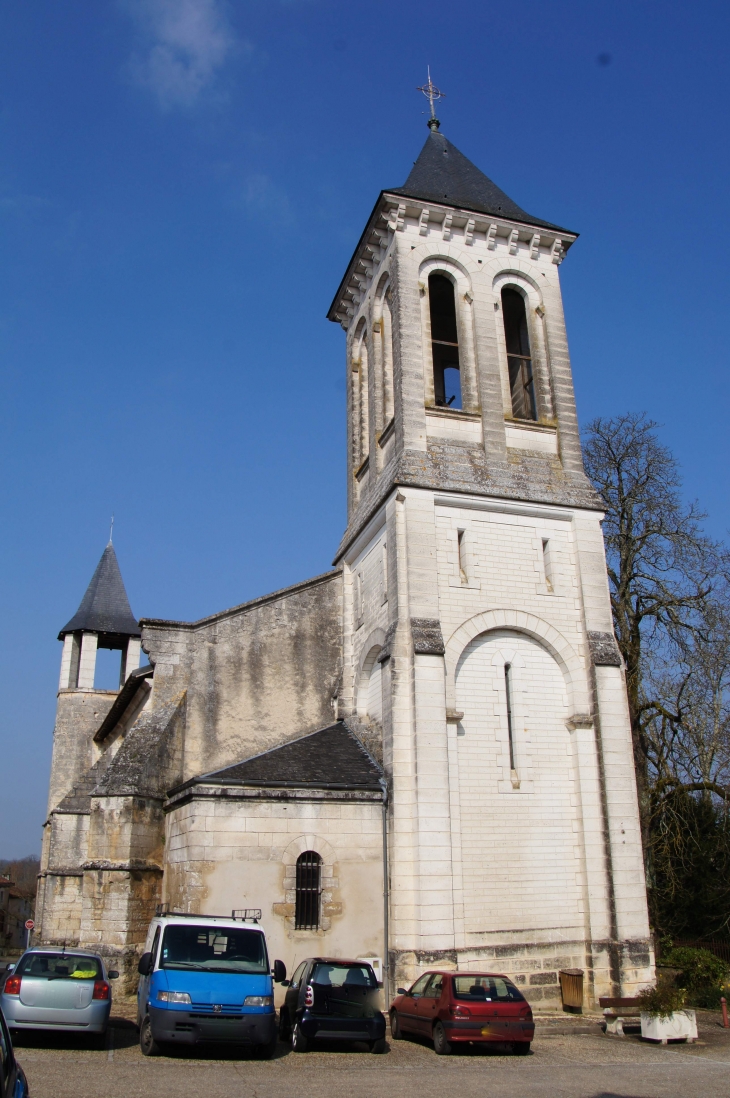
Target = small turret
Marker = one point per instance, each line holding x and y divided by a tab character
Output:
103	620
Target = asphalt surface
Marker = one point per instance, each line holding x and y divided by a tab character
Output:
570	1058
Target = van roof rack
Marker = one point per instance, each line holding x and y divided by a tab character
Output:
239	914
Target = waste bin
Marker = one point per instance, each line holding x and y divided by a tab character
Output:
571	989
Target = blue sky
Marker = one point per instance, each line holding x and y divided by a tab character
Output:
182	184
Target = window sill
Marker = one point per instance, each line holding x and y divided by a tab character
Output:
453	413
386	432
362	468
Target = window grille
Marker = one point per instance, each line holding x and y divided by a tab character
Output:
309	890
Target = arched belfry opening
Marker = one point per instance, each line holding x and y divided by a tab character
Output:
444	342
519	358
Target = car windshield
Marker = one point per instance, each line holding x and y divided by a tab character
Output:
486	989
333	975
59	966
214	949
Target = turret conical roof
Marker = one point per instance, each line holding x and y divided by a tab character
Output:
443	174
105	607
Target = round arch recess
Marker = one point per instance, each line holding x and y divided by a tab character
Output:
570	663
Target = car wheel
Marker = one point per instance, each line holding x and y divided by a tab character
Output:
378	1047
395	1031
298	1041
147	1043
284	1025
442	1047
521	1048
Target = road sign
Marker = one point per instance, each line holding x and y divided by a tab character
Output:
29	924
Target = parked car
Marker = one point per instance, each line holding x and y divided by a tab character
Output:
329	999
58	989
463	1007
13	1083
206	978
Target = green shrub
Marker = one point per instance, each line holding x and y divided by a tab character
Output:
662	1001
700	969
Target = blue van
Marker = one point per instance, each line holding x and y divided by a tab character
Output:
207	978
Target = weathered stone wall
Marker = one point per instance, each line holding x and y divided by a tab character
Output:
226	851
78	715
256	676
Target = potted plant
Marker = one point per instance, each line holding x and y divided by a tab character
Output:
663	1017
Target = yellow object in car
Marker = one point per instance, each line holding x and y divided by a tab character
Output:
84	974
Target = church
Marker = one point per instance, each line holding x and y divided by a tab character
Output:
422	756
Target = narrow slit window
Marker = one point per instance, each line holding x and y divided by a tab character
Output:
444	342
386	329
519	359
547	565
460	537
508	692
308	891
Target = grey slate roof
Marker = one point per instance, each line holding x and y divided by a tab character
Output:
135	680
443	174
105	607
330	758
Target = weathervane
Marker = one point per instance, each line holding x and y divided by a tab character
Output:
432	93
111	530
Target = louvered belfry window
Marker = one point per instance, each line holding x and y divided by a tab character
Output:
309	889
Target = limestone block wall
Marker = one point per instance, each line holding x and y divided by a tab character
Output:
68	840
78	715
229	852
122	879
61	916
256	676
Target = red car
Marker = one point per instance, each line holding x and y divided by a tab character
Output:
463	1007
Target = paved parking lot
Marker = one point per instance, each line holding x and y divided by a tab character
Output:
565	1063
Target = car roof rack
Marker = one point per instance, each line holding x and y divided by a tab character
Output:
239	914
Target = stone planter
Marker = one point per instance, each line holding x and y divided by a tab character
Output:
680	1026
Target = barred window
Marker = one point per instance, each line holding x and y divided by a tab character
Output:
309	889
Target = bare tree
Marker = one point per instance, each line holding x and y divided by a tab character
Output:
665	577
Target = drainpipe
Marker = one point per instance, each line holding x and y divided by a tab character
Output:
386	898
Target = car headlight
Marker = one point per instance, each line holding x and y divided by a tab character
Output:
258	1000
173	997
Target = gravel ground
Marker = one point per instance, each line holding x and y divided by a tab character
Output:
571	1058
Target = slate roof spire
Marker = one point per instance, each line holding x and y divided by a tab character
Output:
443	174
105	607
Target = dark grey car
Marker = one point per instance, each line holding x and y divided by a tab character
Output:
13	1083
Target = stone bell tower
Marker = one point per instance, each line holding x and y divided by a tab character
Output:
479	647
103	620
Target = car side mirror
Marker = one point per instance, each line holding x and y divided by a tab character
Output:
113	974
279	972
401	991
145	964
285	983
9	969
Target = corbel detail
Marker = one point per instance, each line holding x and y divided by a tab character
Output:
492	237
535	247
447	226
514	237
557	251
397	220
469	231
423	223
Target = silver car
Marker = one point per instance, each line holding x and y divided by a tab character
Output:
59	989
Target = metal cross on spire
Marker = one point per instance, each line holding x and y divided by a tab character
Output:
111	530
432	93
